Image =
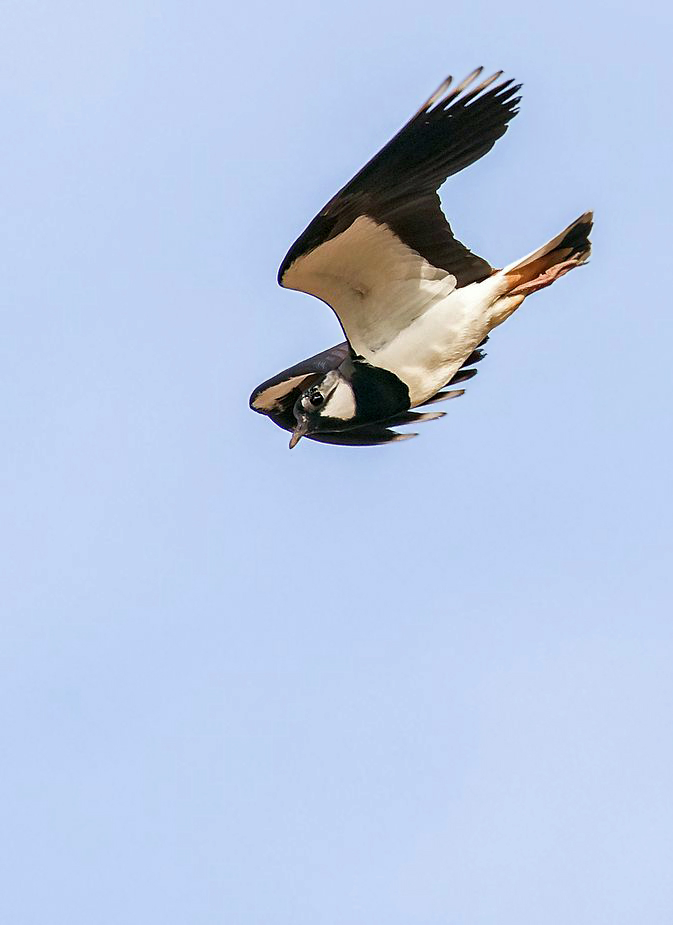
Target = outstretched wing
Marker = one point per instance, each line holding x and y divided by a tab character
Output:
276	398
381	251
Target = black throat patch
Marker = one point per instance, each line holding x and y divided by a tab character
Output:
379	394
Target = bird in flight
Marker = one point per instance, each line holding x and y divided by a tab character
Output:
415	304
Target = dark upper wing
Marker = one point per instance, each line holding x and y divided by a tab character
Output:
276	398
382	247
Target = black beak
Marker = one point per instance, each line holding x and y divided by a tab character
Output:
300	430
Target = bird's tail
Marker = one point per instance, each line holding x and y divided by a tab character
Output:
563	253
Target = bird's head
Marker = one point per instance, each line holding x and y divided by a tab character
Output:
328	404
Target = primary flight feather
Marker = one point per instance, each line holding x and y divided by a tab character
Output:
415	304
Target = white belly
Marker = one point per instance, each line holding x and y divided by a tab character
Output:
426	354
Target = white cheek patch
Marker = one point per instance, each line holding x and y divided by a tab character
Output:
340	404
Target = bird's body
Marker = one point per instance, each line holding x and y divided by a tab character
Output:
426	354
420	327
415	304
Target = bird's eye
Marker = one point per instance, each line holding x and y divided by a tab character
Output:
316	399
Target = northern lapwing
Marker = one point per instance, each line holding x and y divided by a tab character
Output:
415	304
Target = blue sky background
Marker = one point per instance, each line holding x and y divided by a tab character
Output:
428	683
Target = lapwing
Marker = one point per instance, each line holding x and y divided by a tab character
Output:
415	305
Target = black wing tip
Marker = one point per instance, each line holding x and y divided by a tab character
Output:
381	433
413	417
462	376
437	95
466	93
251	400
256	394
366	436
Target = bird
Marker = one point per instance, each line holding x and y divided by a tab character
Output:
415	304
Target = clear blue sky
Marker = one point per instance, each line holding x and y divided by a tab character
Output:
427	684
